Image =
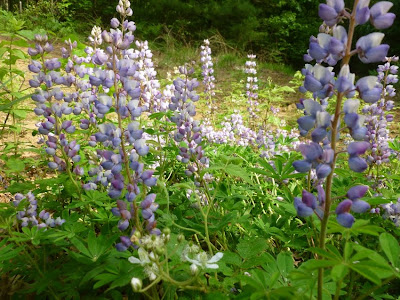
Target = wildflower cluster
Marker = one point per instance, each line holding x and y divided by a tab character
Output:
251	86
131	75
208	74
188	129
235	132
30	217
377	118
150	97
391	211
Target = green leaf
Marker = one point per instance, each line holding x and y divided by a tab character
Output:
15	165
390	247
80	246
28	34
339	272
104	279
238	171
285	263
252	247
324	253
18	53
366	272
313	264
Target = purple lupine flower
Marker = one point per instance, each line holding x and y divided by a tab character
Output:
251	86
329	47
331	12
30	217
392	212
208	74
377	118
362	12
306	204
356	163
344	217
380	17
370	49
369	88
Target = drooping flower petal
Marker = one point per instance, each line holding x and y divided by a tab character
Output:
370	48
309	199
321	195
302	166
357	148
323	119
360	206
302	209
380	17
376	54
357	164
351	120
351	106
316	51
312	84
369	89
327	12
306	122
323	171
344	206
357	192
312	151
345	219
318	134
312	107
359	134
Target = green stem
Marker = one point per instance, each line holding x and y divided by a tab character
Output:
350	288
338	288
150	285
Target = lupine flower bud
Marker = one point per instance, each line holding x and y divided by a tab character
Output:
136	284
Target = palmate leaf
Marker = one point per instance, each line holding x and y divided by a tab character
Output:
251	247
339	272
366	273
118	272
8	252
390	247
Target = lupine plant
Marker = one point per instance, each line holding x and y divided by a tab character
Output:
251	86
143	198
208	75
333	45
377	117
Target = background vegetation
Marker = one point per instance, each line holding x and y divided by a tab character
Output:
278	31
